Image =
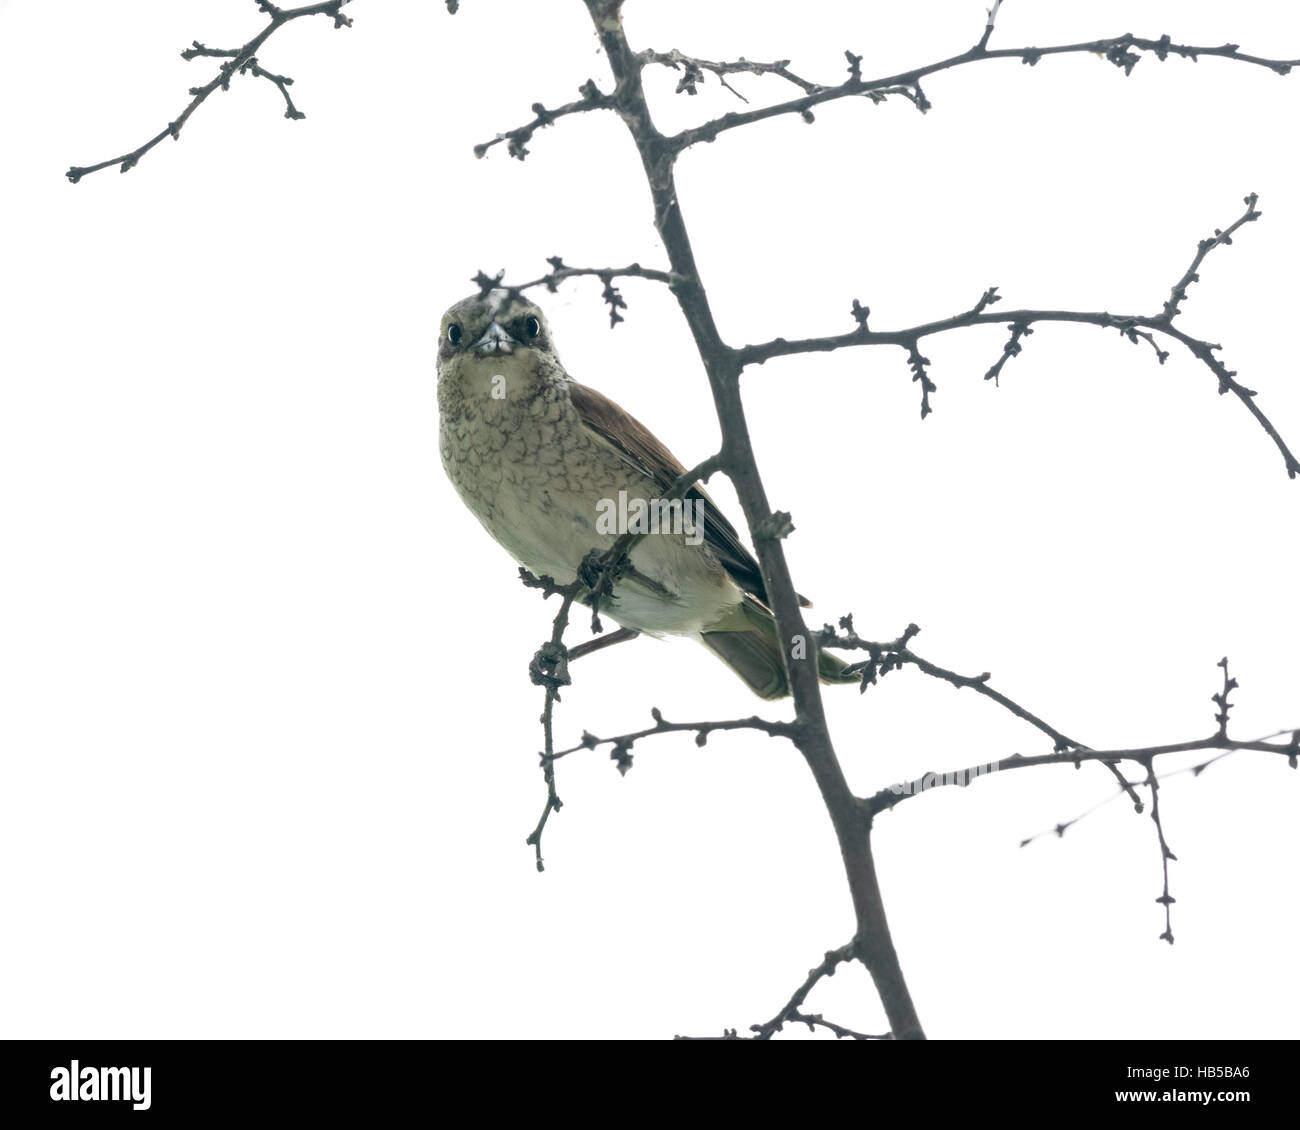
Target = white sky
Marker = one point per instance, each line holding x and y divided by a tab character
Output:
267	743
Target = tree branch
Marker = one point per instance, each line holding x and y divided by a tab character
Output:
517	139
1179	290
549	667
621	746
560	272
1131	326
852	818
1166	899
692	70
872	943
894	795
240	60
282	82
791	1012
886	657
1122	51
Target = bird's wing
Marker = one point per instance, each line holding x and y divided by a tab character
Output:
643	451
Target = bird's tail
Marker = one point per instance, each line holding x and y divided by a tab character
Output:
753	651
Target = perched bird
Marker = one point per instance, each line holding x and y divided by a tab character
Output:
553	470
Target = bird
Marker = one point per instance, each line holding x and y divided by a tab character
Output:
553	469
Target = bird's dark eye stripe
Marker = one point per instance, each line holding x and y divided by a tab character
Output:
532	327
454	334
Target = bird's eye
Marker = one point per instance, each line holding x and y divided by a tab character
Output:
454	334
532	327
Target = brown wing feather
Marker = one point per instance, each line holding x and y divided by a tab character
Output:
634	440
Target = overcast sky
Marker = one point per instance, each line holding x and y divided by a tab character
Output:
267	742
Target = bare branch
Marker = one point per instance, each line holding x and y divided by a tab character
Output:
791	1012
1132	326
1221	699
602	642
988	28
895	794
852	817
829	964
621	751
1153	782
283	82
692	70
517	139
1122	51
1019	330
240	60
873	944
560	272
921	373
1166	899
550	669
895	654
1218	239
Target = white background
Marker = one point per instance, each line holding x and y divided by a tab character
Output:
267	743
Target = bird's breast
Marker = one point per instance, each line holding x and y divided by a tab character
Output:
529	474
540	483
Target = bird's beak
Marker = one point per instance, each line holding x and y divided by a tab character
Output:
495	340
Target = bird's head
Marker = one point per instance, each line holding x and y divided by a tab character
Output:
497	343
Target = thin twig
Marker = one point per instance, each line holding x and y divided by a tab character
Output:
561	271
1179	290
1133	326
792	1013
239	60
1121	50
692	69
550	669
1166	899
517	139
894	654
621	745
896	794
